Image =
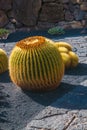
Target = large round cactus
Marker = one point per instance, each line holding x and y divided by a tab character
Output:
3	61
36	64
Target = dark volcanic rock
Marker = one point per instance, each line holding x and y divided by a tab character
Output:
5	4
3	19
26	11
51	12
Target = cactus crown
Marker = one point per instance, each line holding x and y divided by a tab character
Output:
31	42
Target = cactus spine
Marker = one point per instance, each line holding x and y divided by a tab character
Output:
36	64
3	61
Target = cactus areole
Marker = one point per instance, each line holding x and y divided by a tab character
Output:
35	64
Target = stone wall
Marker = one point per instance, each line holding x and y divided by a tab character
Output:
42	14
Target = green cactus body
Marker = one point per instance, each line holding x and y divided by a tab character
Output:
36	64
3	61
56	30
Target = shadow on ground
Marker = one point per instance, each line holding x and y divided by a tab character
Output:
47	98
80	70
19	35
74	100
67	96
4	77
3	104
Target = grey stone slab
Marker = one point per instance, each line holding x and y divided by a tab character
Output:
69	112
55	120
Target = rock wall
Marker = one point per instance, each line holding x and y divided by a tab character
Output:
42	14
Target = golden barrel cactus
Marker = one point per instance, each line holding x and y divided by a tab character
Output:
3	61
35	64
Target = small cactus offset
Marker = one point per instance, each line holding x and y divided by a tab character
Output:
3	61
35	64
69	57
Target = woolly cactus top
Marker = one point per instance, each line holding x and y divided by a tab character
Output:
32	42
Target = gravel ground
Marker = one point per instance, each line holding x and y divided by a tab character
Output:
62	109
